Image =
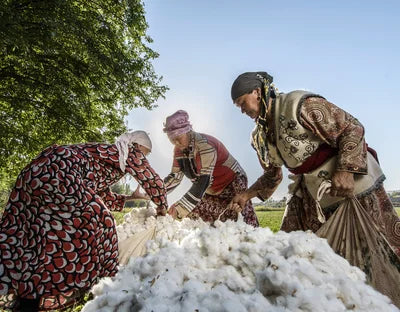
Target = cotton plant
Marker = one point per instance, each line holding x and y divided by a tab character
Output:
195	266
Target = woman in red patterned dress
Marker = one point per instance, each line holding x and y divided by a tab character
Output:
57	235
215	174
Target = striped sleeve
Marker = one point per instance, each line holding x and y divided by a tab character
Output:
208	157
195	193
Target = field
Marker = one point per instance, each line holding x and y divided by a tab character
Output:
271	218
267	217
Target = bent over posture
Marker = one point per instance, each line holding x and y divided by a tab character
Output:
215	174
316	141
57	235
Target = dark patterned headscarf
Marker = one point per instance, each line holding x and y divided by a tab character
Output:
244	84
247	82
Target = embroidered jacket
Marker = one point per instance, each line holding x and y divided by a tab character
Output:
297	131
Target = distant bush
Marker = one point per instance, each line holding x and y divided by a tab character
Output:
395	198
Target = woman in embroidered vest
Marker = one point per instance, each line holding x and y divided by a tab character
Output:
215	174
57	235
315	140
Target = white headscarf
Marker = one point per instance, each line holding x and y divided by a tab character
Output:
124	140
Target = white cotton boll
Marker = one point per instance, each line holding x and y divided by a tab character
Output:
151	211
362	297
96	305
91	306
169	282
117	298
304	271
187	298
127	217
216	299
256	302
102	286
275	274
229	275
232	266
314	299
300	244
124	306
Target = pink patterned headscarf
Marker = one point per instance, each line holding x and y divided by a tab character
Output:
177	124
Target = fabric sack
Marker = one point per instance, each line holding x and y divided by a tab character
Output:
352	234
135	246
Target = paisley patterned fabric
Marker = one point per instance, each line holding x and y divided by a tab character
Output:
345	133
340	130
57	234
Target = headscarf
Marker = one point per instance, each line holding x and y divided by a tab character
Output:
177	124
244	84
247	82
124	140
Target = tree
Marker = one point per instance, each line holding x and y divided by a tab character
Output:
121	188
69	73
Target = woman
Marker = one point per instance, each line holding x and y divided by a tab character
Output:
316	141
57	235
215	174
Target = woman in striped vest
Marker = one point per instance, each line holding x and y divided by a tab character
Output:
216	176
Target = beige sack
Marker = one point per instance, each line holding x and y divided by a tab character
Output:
135	246
352	234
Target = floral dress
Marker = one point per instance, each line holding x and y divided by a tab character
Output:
57	234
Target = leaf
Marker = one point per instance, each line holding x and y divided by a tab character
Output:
69	73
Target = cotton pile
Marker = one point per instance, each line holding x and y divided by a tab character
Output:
231	266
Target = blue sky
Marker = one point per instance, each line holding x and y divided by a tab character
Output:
346	51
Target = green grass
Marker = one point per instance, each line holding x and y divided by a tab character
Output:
271	219
119	215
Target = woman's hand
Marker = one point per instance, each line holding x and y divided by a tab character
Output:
342	184
177	211
161	211
239	201
172	211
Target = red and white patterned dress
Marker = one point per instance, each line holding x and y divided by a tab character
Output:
57	235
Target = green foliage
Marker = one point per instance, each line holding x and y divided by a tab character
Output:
121	188
5	186
69	73
124	188
395	198
271	204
